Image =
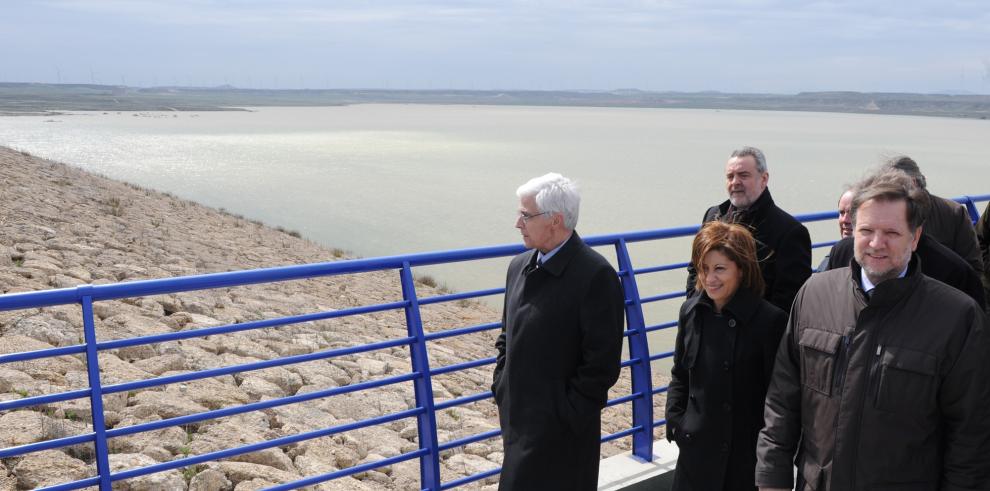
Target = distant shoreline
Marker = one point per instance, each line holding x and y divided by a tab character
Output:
51	99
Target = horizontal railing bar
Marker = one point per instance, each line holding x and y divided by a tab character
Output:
628	332
450	297
657	269
827	243
462	366
462	400
660	356
462	330
621	434
256	406
43	353
630	362
350	470
46	445
623	399
665	296
44	399
82	483
258	365
976	197
460	442
247	326
142	288
817	217
643	235
229	279
659	422
254	447
470	479
659	390
665	325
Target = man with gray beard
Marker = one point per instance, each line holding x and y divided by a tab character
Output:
881	380
783	246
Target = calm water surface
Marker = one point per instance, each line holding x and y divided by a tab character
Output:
394	179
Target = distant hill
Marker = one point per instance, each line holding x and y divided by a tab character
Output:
21	98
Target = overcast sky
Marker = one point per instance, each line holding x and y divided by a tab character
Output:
781	46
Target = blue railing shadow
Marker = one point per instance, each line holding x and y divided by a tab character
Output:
421	376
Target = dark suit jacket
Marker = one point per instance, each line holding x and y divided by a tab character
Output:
949	223
936	261
783	247
983	236
558	354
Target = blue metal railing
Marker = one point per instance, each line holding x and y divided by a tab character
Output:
421	376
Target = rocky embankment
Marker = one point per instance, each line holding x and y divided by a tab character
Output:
61	227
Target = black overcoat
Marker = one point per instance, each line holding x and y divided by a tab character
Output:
558	354
783	247
983	236
722	368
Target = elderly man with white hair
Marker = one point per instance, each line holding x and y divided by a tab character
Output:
559	351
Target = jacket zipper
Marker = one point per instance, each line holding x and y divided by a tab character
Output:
839	372
874	386
866	397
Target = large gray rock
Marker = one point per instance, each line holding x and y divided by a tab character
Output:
12	380
47	329
239	472
238	431
21	427
255	484
172	439
6	254
464	464
8	482
164	405
259	388
210	480
285	379
170	480
351	484
293	419
45	267
213	393
158	365
115	370
49	467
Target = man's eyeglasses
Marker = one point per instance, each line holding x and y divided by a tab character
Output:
525	217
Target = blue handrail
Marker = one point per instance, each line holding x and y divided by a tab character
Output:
428	452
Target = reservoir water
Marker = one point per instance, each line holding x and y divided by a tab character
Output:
395	179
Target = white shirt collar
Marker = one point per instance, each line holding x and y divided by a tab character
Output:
868	285
542	258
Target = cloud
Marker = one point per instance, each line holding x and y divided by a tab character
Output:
758	45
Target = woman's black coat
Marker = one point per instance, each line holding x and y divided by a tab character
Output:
721	372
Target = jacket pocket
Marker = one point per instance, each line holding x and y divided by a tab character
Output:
574	410
907	380
818	354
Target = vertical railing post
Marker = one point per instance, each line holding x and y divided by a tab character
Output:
429	464
974	212
96	394
642	410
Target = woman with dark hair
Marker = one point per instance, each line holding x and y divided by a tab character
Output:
727	337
